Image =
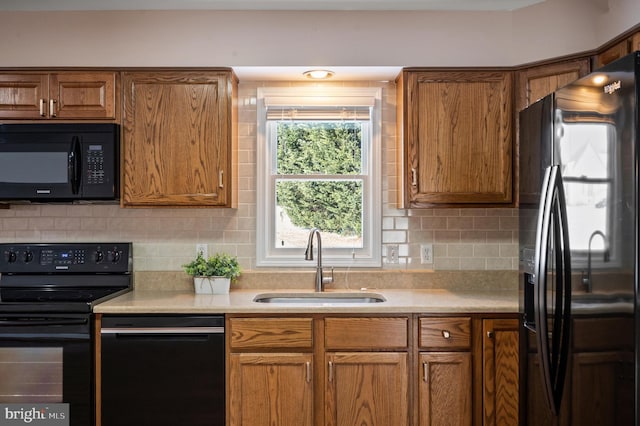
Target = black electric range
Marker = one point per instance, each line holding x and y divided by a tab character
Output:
62	277
47	294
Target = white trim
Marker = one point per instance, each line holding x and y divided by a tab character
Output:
371	254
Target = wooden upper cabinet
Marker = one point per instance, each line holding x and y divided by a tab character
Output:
537	82
618	50
179	138
635	42
60	95
455	131
83	95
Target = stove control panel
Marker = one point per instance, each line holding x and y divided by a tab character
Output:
65	257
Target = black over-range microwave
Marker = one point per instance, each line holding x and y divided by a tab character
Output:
59	162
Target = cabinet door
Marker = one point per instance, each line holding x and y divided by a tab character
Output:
366	388
537	82
270	389
457	137
83	95
611	54
445	389
23	96
635	42
177	139
501	371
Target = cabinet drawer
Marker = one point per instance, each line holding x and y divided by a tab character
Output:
271	333
366	333
445	332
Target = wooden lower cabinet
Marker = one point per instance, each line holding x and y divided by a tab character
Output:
444	375
444	389
366	388
378	370
500	371
271	389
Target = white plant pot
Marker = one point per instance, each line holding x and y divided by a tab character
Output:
211	285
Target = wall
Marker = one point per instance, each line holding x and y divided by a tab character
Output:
289	38
281	38
166	238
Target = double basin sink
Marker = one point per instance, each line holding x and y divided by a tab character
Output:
319	298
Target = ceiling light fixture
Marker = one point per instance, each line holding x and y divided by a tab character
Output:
318	74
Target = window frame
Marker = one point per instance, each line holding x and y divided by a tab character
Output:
267	255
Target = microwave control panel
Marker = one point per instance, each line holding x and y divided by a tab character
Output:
95	164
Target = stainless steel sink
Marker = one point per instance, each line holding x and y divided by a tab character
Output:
319	298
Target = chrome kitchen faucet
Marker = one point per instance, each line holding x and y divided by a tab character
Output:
308	255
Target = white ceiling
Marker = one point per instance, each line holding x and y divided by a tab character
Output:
466	5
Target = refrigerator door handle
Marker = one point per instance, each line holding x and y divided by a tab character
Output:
552	359
562	319
542	239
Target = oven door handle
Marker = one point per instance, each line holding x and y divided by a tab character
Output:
43	322
162	330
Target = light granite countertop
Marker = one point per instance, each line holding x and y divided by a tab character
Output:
147	301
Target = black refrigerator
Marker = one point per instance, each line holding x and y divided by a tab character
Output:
579	251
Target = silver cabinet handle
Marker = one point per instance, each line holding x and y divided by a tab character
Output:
490	334
52	107
308	365
330	371
220	179
414	177
42	113
446	334
425	371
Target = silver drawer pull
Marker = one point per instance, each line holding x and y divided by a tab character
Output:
446	334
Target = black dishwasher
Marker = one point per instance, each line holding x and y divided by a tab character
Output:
162	370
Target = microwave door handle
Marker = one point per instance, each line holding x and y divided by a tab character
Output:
74	165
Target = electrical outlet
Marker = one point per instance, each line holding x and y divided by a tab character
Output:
202	249
426	253
392	253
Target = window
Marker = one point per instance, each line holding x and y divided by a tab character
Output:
319	167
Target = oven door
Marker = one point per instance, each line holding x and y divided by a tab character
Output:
47	358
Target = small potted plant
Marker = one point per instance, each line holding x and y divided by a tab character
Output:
213	275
